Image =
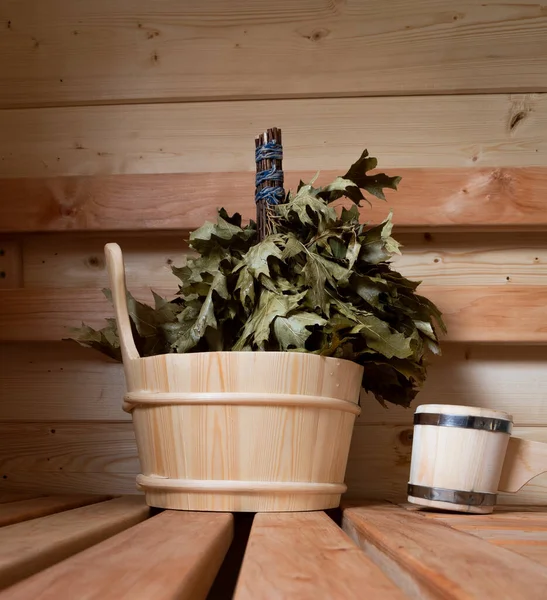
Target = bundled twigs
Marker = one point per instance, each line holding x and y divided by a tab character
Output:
269	177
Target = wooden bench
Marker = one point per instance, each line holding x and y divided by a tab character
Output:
56	547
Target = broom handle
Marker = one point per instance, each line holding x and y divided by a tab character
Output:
116	272
524	460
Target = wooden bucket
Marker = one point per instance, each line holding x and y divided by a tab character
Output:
237	431
458	454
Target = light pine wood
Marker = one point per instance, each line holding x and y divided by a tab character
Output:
95	457
138	50
69	260
522	532
307	557
237	431
68	447
318	134
76	384
429	560
454	458
524	460
469	196
174	555
26	548
73	383
511	314
75	482
23	510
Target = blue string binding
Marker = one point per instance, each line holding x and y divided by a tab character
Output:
272	195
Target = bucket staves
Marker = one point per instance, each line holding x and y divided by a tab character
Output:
237	431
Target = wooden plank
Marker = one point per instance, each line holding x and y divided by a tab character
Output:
398	47
75	384
24	510
174	555
442	258
11	264
61	482
79	454
26	548
70	447
472	313
429	560
59	381
305	556
516	529
470	197
379	465
507	378
319	134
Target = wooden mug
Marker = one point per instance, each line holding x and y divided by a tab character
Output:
463	455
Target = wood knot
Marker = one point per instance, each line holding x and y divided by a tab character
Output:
95	262
406	436
317	35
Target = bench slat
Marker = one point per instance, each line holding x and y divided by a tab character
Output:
430	560
24	510
305	556
172	555
26	548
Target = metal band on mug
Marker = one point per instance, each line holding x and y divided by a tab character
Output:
452	496
464	422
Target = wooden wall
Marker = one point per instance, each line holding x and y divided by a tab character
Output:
131	121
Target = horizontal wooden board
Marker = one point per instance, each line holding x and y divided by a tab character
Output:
24	510
318	134
472	313
26	548
60	381
172	556
77	447
69	260
306	555
485	198
70	483
84	457
66	53
379	465
430	560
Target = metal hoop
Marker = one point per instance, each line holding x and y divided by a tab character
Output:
452	496
464	422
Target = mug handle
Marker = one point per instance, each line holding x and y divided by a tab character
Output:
524	460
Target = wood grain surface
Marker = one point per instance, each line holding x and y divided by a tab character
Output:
97	457
509	527
472	313
24	510
56	537
76	260
68	53
305	556
498	130
486	198
75	384
174	555
429	560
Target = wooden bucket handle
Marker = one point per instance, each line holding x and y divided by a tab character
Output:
116	273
